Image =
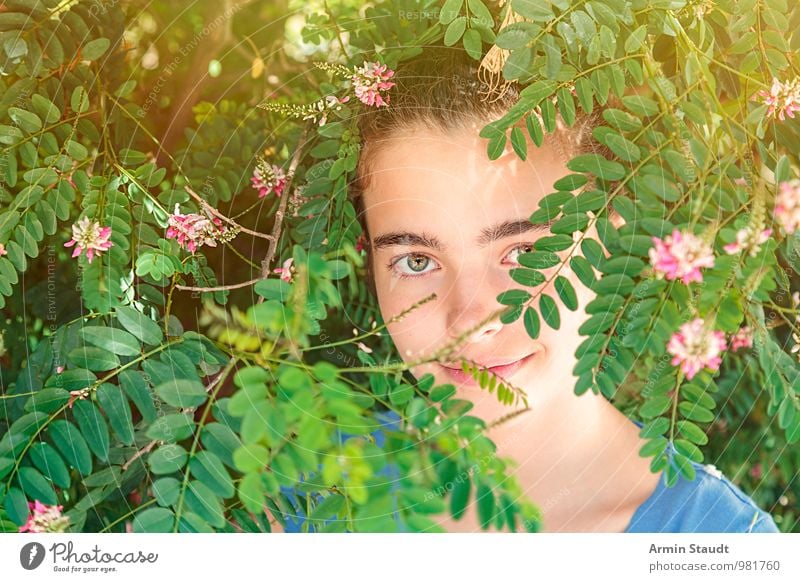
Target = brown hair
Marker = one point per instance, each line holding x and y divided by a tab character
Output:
441	89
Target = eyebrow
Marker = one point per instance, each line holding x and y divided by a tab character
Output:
487	235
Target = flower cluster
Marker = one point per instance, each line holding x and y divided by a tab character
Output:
194	230
783	98
681	255
318	111
748	238
368	82
286	271
787	205
695	347
268	178
45	518
3	250
89	236
742	339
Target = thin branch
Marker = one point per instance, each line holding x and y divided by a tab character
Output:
220	287
277	227
221	216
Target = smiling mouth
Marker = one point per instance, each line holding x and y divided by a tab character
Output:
503	371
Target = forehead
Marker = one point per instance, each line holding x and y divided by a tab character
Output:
444	182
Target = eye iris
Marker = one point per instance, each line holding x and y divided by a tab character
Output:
414	259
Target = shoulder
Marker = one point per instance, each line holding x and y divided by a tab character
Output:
710	503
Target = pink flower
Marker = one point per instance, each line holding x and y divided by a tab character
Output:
787	205
286	270
3	250
45	518
368	82
755	471
90	237
194	230
748	238
782	98
360	243
742	339
680	255
268	178
695	348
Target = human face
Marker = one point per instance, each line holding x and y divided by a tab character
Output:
444	219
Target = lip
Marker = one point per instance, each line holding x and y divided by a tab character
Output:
503	371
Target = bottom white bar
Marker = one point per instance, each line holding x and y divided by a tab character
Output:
376	557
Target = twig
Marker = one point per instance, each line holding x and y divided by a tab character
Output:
221	216
220	287
276	228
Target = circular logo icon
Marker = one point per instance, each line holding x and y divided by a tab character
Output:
31	555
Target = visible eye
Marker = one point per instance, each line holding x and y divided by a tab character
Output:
527	246
415	262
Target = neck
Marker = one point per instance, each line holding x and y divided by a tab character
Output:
560	444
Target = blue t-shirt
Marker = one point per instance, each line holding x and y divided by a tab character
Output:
709	504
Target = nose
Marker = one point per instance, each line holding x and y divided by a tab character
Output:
472	300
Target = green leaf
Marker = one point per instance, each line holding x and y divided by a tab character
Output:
72	446
154	520
597	165
527	277
656	427
695	412
539	259
167	459
207	468
534	10
655	406
460	495
171	428
450	10
115	404
115	340
496	146
47	400
692	432
94	49
688	449
50	463
182	393
566	106
532	323
583	269
141	326
472	43
36	486
202	501
513	297
79	101
250	458
93	427
519	143
454	30
92	358
486	504
251	492
566	292
45	108
27	121
549	311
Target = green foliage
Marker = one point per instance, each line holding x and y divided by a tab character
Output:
188	391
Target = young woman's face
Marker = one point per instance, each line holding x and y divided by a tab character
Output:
444	219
